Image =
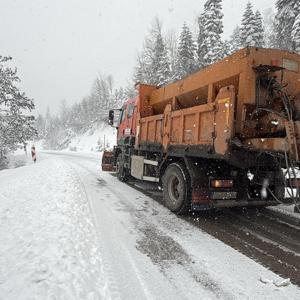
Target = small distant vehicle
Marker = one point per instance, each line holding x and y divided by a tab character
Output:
217	138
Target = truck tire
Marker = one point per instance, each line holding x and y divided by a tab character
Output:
120	169
176	189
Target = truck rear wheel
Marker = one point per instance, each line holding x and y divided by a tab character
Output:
120	169
176	189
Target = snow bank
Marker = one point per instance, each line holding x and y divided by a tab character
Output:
19	158
48	242
95	139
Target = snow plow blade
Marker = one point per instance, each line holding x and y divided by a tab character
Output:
108	161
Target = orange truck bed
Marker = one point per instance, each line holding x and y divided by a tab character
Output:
213	106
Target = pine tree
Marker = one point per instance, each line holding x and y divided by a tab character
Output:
16	125
269	28
248	27
296	30
171	46
284	21
212	46
226	48
48	127
160	67
201	46
140	70
40	126
259	30
235	40
129	93
185	62
152	63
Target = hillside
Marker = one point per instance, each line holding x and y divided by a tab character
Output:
95	139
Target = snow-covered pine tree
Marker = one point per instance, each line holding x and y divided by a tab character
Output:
119	97
284	22
143	69
130	92
40	126
47	122
201	46
185	61
64	113
140	70
212	45
101	97
226	48
171	46
16	126
235	40
269	28
85	113
152	63
259	36
160	67
296	30
248	27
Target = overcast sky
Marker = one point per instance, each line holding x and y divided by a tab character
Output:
59	46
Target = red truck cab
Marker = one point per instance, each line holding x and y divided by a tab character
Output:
124	120
127	120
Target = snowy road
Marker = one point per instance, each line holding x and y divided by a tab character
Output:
69	231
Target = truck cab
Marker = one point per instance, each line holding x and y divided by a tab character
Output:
124	120
126	123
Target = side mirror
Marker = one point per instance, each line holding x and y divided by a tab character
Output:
111	117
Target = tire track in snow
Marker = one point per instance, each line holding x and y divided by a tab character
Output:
112	291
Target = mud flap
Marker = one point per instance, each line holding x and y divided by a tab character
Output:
199	186
200	199
108	161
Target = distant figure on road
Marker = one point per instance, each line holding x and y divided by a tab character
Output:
33	153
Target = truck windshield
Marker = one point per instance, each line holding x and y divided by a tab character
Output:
122	114
130	110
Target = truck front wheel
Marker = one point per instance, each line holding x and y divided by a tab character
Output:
176	188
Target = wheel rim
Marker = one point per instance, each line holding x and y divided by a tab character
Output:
174	189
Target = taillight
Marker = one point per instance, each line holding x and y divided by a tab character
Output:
221	183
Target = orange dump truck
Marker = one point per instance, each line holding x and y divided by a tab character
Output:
217	138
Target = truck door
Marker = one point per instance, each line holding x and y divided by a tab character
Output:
122	126
127	121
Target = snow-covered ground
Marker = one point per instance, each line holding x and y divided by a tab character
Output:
69	231
48	241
